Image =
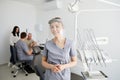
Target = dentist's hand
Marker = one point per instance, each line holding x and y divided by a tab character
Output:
60	67
55	68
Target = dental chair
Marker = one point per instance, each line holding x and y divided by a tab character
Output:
39	69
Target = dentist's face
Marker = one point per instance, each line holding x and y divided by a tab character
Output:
56	28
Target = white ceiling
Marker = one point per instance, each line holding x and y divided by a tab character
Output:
43	1
89	3
33	2
115	1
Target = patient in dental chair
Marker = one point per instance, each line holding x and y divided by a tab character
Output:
30	42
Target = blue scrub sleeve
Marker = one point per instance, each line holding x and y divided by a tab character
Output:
73	50
45	51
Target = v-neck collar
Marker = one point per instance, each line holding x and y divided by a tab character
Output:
58	46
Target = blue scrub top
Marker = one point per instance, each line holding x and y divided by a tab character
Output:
22	49
56	55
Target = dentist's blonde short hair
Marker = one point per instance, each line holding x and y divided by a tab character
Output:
56	19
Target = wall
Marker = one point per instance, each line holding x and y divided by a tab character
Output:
14	13
104	23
